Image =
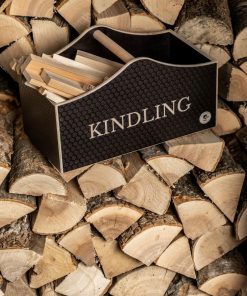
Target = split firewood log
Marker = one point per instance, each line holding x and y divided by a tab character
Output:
49	35
165	10
206	22
102	177
14	206
243	64
58	213
239	17
219	53
241	109
85	280
203	149
35	177
224	185
177	257
49	289
4	5
241	217
6	140
232	83
170	168
77	13
182	286
213	245
148	280
68	176
113	261
196	212
55	263
19	287
20	249
140	20
11	29
79	242
37	8
225	276
143	188
110	216
146	239
100	6
116	16
227	121
21	47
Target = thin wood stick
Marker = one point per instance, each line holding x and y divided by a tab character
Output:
111	45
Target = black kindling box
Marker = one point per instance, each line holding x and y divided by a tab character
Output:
167	91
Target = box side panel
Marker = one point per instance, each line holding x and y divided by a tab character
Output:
146	104
40	122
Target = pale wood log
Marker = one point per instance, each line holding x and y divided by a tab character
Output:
148	280
196	212
219	53
169	167
79	242
55	263
140	20
225	276
33	65
227	121
203	149
49	289
113	261
243	64
11	29
34	177
14	206
241	217
241	110
97	62
111	216
102	5
68	176
49	35
206	22
224	185
213	245
85	280
37	8
102	177
21	47
76	12
6	143
239	16
57	213
54	98
20	288
116	16
4	5
143	188
182	286
20	249
177	257
146	239
165	10
232	83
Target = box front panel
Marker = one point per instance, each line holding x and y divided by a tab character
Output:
146	104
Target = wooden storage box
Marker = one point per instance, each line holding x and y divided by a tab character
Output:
168	90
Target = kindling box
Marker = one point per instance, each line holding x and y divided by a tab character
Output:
167	91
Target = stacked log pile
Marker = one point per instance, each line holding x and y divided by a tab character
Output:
167	220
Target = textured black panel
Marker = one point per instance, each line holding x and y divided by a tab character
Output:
143	84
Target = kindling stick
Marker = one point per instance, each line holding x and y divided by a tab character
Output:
111	45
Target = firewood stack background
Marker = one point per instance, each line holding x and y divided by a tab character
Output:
167	220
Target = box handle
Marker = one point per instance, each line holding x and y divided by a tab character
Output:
111	45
